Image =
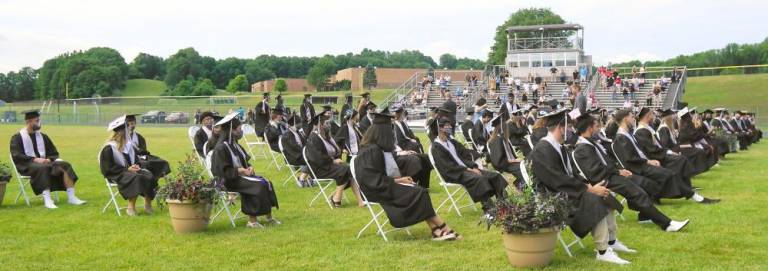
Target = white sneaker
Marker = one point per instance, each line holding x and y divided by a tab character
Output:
273	221
618	246
647	221
675	226
75	201
255	225
50	205
611	257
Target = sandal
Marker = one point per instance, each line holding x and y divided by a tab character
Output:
444	236
336	204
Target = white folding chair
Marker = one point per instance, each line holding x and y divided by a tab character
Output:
23	182
374	215
113	193
226	199
322	184
191	131
256	142
566	245
528	139
275	160
294	170
454	191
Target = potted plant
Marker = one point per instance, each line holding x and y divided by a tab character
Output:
189	197
5	177
530	221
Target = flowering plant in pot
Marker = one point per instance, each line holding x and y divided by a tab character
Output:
189	196
529	221
5	177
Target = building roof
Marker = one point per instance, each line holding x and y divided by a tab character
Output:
544	27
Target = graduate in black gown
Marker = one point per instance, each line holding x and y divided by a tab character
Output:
275	129
649	143
156	165
262	116
480	132
293	142
34	155
467	125
205	132
406	139
719	143
307	110
230	165
382	181
592	206
347	106
119	163
214	138
324	156
349	136
684	142
516	130
451	162
367	117
362	105
596	166
502	155
632	158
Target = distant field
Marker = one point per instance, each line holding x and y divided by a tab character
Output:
143	87
745	92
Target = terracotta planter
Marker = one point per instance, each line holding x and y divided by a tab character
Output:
2	189
530	249
187	217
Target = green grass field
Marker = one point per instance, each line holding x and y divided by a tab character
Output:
744	92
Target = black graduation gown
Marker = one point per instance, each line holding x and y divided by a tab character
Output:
677	163
200	138
480	187
307	110
292	148
154	164
500	161
744	140
538	134
634	188
466	129
364	123
517	138
130	184
480	135
322	163
262	117
404	205
42	176
673	184
700	159
272	133
256	197
587	209
403	138
344	108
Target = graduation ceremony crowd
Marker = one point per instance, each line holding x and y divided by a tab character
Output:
592	155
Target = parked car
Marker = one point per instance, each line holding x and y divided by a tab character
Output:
153	116
177	117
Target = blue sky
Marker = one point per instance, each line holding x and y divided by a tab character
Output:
32	31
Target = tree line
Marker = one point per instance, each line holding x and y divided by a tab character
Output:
103	71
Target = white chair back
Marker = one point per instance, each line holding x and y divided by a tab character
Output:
524	172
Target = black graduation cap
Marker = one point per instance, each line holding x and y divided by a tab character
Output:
366	94
132	117
397	108
555	118
443	121
226	119
316	118
206	114
371	105
217	118
292	120
279	97
470	110
327	107
383	117
487	113
265	94
277	111
708	111
643	111
31	114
